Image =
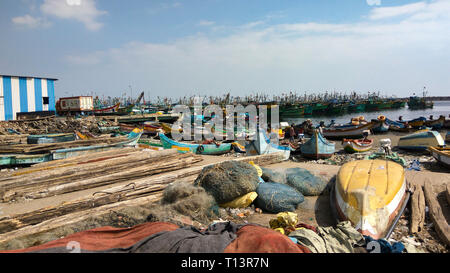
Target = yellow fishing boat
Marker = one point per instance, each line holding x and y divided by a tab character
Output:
371	194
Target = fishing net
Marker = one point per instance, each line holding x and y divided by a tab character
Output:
300	179
228	180
276	197
305	182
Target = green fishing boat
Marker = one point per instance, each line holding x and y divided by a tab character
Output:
319	108
292	111
355	107
415	102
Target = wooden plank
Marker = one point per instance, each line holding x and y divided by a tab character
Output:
417	209
436	210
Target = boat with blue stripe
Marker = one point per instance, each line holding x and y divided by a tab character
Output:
421	140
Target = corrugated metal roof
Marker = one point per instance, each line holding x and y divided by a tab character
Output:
21	76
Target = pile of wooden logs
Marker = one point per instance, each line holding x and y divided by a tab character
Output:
136	167
24	148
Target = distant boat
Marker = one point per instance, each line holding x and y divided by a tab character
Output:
317	147
421	140
381	126
371	194
50	138
205	149
132	139
262	145
415	102
436	124
396	126
114	108
347	132
442	155
415	123
357	145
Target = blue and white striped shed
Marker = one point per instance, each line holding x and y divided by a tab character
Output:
19	94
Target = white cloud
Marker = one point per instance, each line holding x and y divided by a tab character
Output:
205	23
381	55
30	21
388	12
84	11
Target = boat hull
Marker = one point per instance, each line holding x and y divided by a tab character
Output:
318	147
262	145
50	138
355	146
442	155
370	194
421	140
352	132
206	149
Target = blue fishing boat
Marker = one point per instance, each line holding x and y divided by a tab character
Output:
50	138
318	147
263	145
131	141
396	126
421	140
205	149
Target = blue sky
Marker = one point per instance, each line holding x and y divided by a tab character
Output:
180	47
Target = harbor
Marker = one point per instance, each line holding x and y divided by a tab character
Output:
124	164
225	136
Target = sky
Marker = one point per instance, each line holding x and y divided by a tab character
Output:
176	48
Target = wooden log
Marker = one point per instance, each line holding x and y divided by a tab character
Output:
84	167
60	226
136	189
447	193
417	209
437	211
46	189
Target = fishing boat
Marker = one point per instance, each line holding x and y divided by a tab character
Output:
263	145
415	123
347	132
357	145
371	194
205	149
23	159
442	155
421	140
415	103
397	126
436	124
317	147
108	129
381	126
50	138
447	137
114	108
131	141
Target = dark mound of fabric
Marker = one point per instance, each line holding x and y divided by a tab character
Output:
161	237
276	197
305	182
228	180
257	239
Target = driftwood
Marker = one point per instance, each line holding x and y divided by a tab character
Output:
438	210
136	189
417	209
